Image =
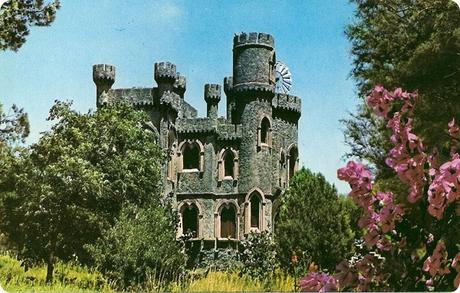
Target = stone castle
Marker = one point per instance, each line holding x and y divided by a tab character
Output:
225	175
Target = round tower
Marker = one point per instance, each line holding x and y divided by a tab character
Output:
253	62
104	78
165	76
212	98
251	91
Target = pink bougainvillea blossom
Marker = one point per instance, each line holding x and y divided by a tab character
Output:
436	264
456	266
318	282
454	130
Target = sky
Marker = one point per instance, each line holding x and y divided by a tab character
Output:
56	61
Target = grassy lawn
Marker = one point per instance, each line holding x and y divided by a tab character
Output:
74	278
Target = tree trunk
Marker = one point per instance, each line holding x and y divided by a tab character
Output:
50	268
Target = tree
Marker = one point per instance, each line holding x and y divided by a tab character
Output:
313	223
411	44
73	182
16	16
141	247
14	128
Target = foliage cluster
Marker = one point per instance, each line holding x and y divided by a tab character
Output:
16	16
258	256
314	224
136	250
71	187
408	44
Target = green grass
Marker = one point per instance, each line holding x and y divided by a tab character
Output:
232	282
70	277
67	278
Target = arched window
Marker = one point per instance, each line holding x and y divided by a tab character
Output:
228	222
228	164
255	211
293	156
282	170
190	221
191	156
171	138
265	131
229	159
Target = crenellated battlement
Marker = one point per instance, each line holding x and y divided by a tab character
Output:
254	38
165	70
227	131
195	125
181	82
212	93
103	73
287	102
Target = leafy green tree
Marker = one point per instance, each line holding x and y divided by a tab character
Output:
313	224
14	128
72	184
258	256
16	16
141	247
408	44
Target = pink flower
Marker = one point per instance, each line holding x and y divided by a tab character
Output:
318	282
372	236
456	265
436	263
454	130
360	180
379	101
345	276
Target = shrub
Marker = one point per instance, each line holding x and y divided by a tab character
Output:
313	224
258	255
141	248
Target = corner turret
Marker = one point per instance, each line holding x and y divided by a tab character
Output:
165	76
212	98
104	78
180	85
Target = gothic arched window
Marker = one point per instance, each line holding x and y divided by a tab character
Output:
265	131
191	155
171	138
293	156
229	159
282	170
190	221
228	222
255	211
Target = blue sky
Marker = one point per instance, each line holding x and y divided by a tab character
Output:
56	62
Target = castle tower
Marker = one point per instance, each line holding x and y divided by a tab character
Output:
104	78
212	98
252	91
253	62
165	76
